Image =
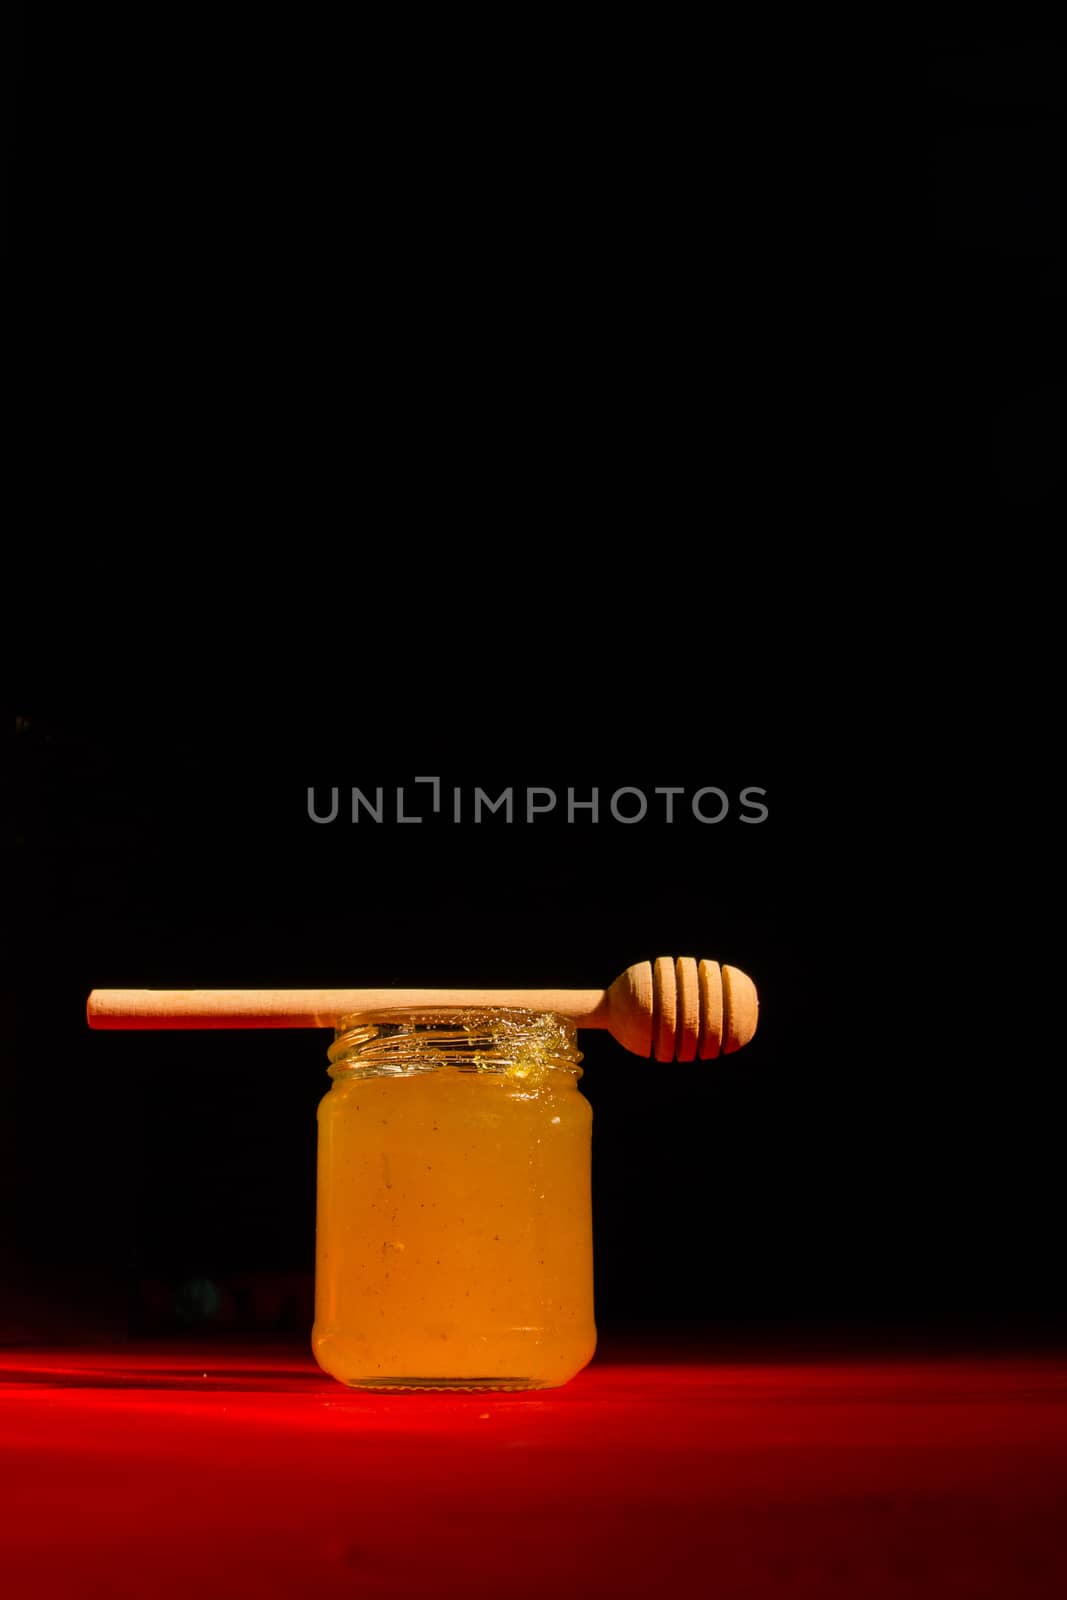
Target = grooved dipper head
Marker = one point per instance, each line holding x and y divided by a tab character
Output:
679	1009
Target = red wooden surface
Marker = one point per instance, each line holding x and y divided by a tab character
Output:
166	1471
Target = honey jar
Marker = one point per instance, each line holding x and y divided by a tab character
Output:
454	1217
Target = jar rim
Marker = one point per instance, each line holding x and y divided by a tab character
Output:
457	1014
479	1038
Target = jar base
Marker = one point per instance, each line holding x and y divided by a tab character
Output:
468	1385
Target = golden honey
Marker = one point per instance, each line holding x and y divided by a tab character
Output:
454	1228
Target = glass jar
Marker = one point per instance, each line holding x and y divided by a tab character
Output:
454	1228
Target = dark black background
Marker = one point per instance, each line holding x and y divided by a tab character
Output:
624	414
811	286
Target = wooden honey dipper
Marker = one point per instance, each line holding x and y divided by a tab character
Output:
666	1008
